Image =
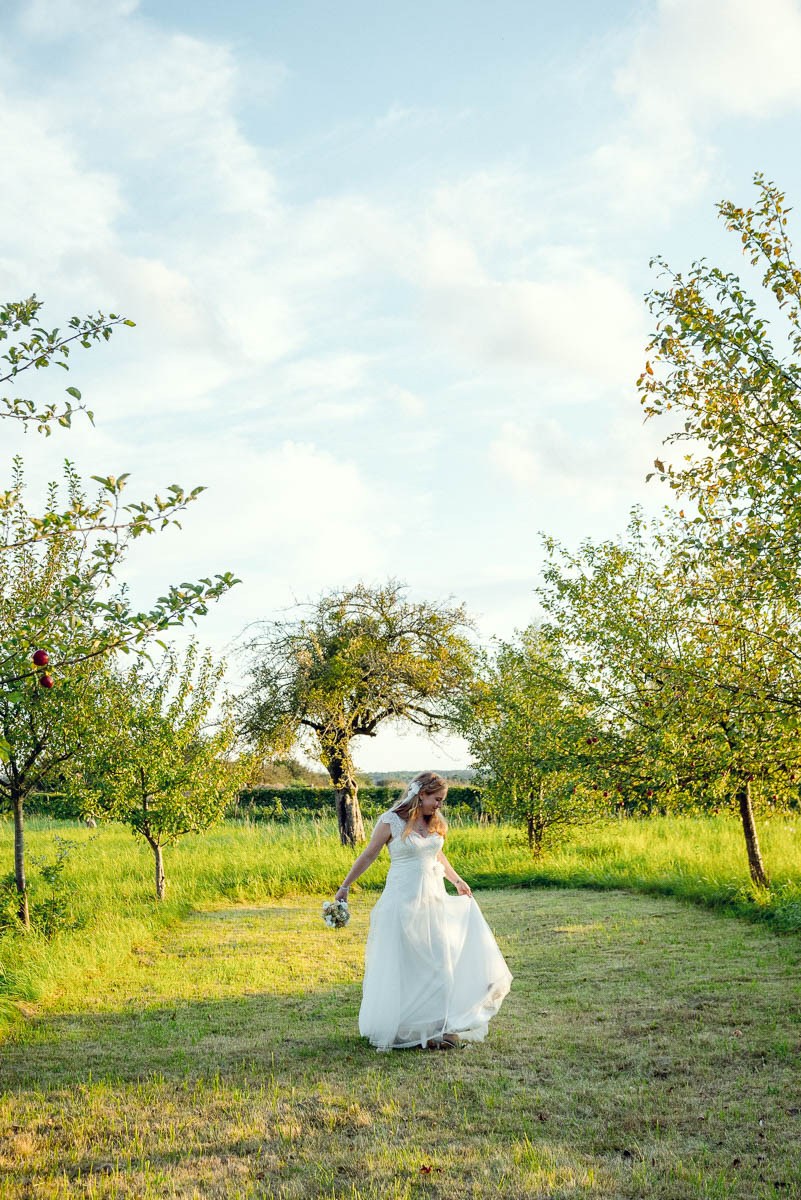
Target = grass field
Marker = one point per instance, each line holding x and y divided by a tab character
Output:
702	861
649	1047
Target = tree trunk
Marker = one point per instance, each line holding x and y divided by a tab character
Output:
755	863
161	882
349	815
539	824
535	821
19	860
147	831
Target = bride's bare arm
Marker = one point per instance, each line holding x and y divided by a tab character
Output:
455	879
369	854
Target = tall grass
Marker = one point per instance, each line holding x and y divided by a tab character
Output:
110	878
699	859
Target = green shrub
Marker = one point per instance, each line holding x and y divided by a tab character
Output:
54	894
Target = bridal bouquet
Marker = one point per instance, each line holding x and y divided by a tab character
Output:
336	913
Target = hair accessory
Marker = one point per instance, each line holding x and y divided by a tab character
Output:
412	790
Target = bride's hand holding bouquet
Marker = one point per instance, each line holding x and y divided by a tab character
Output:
336	912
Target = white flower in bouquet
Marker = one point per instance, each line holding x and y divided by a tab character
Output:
336	913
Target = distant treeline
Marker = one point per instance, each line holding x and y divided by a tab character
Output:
389	777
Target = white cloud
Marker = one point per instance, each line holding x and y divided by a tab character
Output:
169	99
179	179
284	520
585	321
601	471
234	280
646	174
408	402
691	63
703	58
51	203
495	209
329	374
512	456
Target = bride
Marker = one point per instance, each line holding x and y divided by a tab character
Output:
434	975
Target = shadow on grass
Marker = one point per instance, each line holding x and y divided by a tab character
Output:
254	1034
656	1053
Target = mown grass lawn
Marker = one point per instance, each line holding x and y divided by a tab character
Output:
648	1048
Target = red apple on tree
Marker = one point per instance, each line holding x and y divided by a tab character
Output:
41	658
46	681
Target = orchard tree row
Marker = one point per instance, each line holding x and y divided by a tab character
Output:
667	666
137	744
666	670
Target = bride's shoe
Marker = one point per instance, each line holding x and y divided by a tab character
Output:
446	1041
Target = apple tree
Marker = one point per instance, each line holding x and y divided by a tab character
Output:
724	368
59	604
106	523
161	762
698	703
531	734
361	657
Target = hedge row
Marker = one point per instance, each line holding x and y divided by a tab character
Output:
282	803
51	804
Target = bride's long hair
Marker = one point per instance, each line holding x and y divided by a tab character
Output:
429	782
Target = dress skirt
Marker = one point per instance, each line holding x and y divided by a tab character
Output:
432	965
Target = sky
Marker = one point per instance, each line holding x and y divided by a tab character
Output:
387	265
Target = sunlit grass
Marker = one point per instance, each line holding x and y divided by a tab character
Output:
700	860
208	1046
648	1048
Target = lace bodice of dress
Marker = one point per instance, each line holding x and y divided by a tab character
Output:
415	846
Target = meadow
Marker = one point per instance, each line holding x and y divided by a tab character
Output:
208	1047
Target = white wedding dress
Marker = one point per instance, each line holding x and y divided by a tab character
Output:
432	965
